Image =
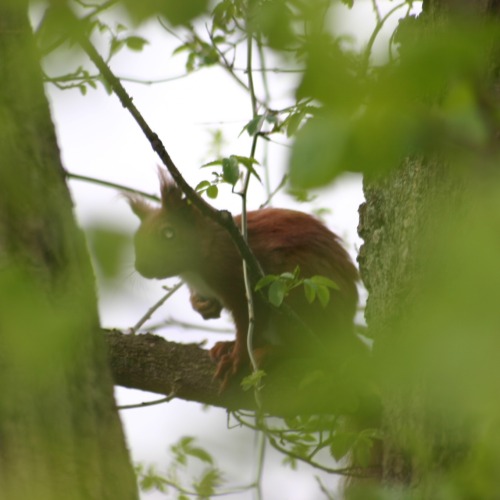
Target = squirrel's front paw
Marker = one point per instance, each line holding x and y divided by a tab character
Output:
209	308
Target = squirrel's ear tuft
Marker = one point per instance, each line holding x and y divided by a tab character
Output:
171	194
139	206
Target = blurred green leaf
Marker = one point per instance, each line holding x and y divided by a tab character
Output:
310	291
230	170
253	381
176	12
277	292
108	246
272	19
136	43
341	443
254	125
462	115
362	450
318	153
293	122
265	281
206	486
202	186
324	281
323	295
212	191
248	163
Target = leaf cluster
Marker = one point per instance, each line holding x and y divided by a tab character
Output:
280	285
179	472
230	174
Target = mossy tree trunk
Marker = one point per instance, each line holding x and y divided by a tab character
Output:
59	431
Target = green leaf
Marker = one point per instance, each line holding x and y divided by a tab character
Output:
313	379
294	121
177	13
200	454
341	444
254	126
115	46
136	43
324	281
248	163
108	246
253	381
277	293
190	62
323	295
362	451
206	486
309	290
202	186
215	163
463	116
182	48
212	192
265	281
318	152
230	170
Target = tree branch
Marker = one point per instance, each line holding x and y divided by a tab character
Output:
151	363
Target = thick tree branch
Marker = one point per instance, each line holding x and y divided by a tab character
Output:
151	363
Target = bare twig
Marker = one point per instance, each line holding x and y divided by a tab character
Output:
273	193
109	184
189	326
376	31
244	228
145	404
151	310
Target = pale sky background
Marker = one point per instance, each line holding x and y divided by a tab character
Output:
99	139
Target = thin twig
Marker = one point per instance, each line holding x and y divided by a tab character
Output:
189	326
109	184
323	489
376	31
156	306
273	194
376	10
144	404
343	471
244	226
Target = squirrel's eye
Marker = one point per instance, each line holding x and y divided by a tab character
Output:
168	232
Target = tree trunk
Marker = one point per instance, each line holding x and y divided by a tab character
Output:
60	433
430	264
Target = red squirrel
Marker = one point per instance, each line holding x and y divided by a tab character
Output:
176	239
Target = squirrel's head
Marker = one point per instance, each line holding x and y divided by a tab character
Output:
165	243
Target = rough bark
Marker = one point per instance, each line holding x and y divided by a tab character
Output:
395	224
60	434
